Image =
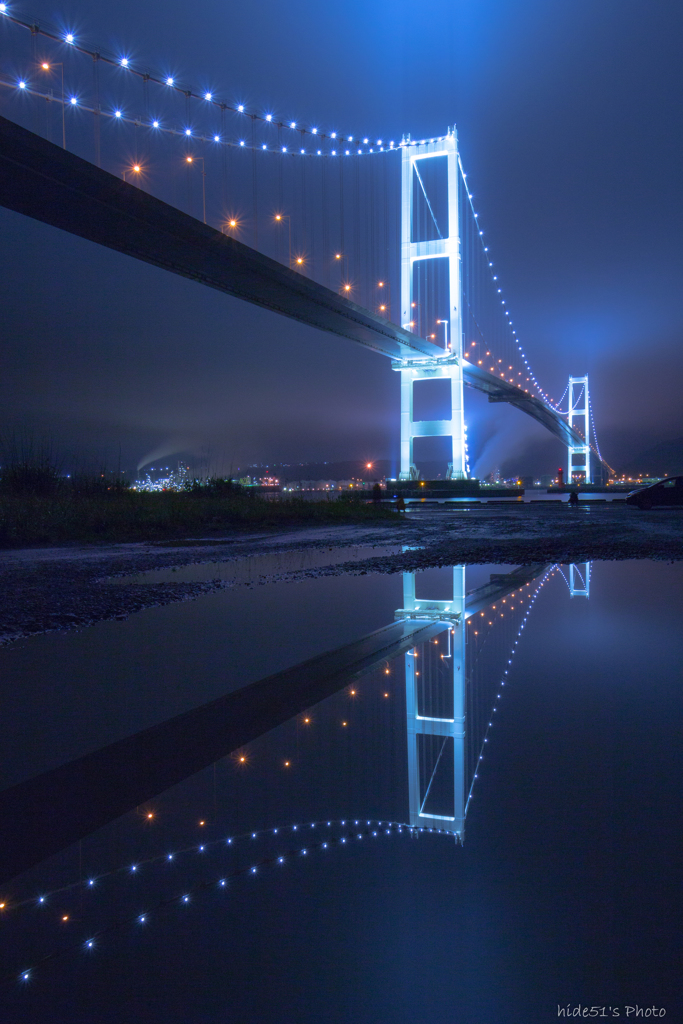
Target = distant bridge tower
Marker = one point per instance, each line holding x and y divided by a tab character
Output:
431	290
579	456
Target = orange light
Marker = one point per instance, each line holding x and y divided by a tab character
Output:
2	906
299	260
347	287
233	223
286	764
382	308
202	823
344	723
65	917
353	693
338	256
45	67
189	159
306	721
386	694
137	168
278	216
149	815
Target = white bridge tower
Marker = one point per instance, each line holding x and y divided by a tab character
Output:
578	417
440	245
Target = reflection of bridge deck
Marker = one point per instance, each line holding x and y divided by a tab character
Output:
51	185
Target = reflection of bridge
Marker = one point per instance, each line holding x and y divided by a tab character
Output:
453	324
447	714
448	711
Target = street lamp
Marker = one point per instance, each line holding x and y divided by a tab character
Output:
279	217
48	67
385	307
446	346
135	169
191	160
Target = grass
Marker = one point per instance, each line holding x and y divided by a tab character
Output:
68	517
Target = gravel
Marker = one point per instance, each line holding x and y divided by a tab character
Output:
44	589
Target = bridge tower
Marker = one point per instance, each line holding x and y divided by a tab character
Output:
579	456
436	730
430	266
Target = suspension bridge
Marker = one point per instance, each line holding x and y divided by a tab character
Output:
370	239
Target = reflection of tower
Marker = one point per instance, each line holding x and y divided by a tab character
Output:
447	711
580	579
435	710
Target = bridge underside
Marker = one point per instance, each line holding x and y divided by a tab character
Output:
49	184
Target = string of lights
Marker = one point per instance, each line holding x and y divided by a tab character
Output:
359	143
218	884
546	576
498	290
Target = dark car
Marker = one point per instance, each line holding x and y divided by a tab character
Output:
667	492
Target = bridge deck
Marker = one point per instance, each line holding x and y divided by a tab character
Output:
52	185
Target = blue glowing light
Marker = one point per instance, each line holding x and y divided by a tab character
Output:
169	81
124	62
74	101
155	124
188	131
292	124
22	85
69	37
269	117
241	142
241	108
314	131
208	96
216	138
117	113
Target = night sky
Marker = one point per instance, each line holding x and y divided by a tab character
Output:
569	121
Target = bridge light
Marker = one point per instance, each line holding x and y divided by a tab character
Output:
216	138
241	142
334	152
241	108
188	131
333	135
269	117
169	81
124	62
314	131
3	10
117	113
292	124
69	37
73	101
22	85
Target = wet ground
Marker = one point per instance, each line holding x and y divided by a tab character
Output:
64	588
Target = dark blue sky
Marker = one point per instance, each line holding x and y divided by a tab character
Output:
569	121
